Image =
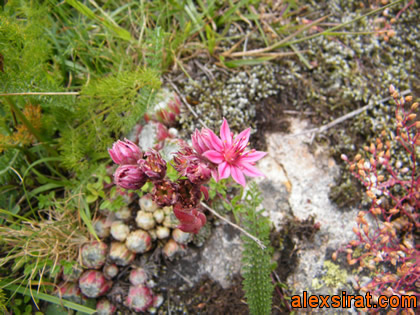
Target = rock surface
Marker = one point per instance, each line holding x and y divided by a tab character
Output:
297	184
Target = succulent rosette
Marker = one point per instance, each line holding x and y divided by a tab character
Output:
94	254
139	298
93	284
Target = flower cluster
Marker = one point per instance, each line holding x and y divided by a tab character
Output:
209	156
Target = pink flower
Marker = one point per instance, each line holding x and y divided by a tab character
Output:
125	152
229	154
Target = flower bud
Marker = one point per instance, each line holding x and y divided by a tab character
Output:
139	298
119	230
123	214
129	177
105	307
120	254
139	241
69	291
93	284
94	255
102	228
159	215
125	152
145	220
181	237
147	204
162	232
138	276
110	271
171	248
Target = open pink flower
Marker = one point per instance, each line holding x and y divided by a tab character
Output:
230	155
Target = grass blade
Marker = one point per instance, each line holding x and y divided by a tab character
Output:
105	21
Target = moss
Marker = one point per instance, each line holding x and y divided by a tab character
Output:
334	276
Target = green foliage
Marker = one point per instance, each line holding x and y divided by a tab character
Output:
107	107
256	261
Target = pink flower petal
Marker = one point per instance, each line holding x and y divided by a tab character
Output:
238	176
241	140
211	140
225	134
250	170
214	156
252	156
215	174
224	170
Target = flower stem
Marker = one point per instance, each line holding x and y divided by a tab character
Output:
256	240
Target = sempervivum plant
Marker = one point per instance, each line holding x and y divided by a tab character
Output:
119	230
139	241
138	276
139	298
69	291
105	307
94	254
110	271
93	284
120	254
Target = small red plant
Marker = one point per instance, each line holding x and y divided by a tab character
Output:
386	247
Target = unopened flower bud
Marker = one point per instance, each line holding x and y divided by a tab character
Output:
69	291
414	106
94	255
411	116
110	271
139	241
147	204
125	152
120	254
119	230
102	227
105	307
181	237
145	220
129	177
162	232
139	298
93	284
138	276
